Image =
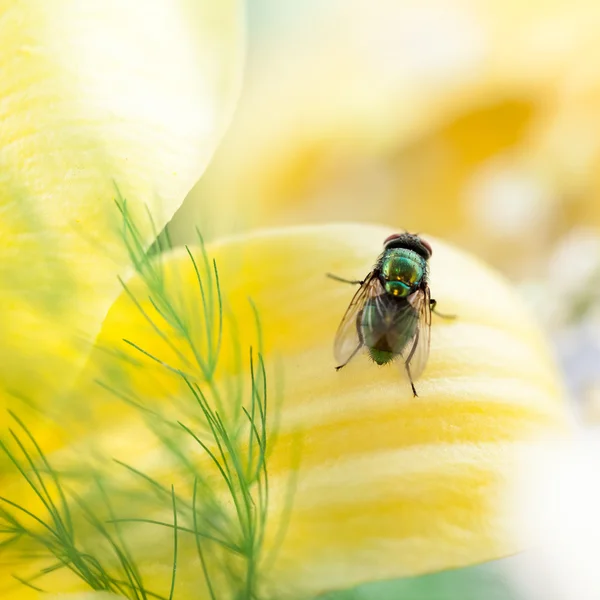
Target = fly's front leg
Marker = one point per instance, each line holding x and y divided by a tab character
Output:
351	281
433	304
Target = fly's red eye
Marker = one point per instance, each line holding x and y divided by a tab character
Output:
389	238
427	246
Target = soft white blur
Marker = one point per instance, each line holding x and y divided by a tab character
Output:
557	503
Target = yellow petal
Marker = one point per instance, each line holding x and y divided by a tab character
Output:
96	97
387	484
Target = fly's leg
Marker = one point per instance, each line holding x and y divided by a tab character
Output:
360	340
407	364
350	357
412	385
351	281
433	304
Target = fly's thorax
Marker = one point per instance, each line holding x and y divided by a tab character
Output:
403	271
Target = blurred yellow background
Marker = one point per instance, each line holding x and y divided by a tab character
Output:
478	122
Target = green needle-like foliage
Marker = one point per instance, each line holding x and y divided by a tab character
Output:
216	438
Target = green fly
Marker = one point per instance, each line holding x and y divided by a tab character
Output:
390	314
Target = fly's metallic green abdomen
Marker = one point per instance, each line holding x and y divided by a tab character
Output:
402	270
387	325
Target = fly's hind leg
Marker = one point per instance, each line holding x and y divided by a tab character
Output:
407	364
412	384
433	304
350	357
351	281
360	340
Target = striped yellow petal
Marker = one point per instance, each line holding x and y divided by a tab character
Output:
386	485
97	99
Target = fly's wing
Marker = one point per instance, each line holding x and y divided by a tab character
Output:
347	339
416	351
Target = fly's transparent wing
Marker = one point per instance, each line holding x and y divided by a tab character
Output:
348	340
416	351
